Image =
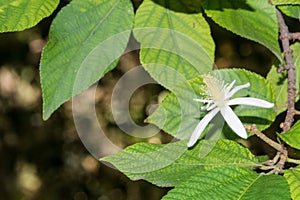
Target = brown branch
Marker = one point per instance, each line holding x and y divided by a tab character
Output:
291	160
295	36
283	157
297	112
277	163
262	136
285	37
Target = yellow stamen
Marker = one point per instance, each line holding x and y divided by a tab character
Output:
214	88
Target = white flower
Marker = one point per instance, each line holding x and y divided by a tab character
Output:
218	100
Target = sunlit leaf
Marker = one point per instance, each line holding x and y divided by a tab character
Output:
280	2
151	162
231	183
17	15
175	40
293	178
86	40
145	157
179	114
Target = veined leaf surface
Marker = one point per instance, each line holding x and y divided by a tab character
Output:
86	40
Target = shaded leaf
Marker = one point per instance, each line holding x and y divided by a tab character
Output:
280	83
86	40
253	19
292	136
18	15
291	10
296	58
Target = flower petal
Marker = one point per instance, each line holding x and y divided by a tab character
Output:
236	89
210	107
228	88
233	121
201	126
203	100
250	102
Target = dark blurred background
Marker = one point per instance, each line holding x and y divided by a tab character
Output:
46	159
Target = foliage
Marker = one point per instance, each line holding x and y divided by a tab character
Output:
180	42
87	39
184	166
183	112
255	20
231	183
292	137
18	15
73	47
293	178
291	10
280	81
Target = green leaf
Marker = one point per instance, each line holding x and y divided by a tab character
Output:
253	19
86	40
296	58
262	158
17	15
231	183
292	136
144	157
280	2
179	114
293	178
280	83
175	40
291	10
167	165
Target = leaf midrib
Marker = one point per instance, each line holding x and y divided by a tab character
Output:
247	188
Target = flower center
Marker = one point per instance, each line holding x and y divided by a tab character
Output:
215	90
